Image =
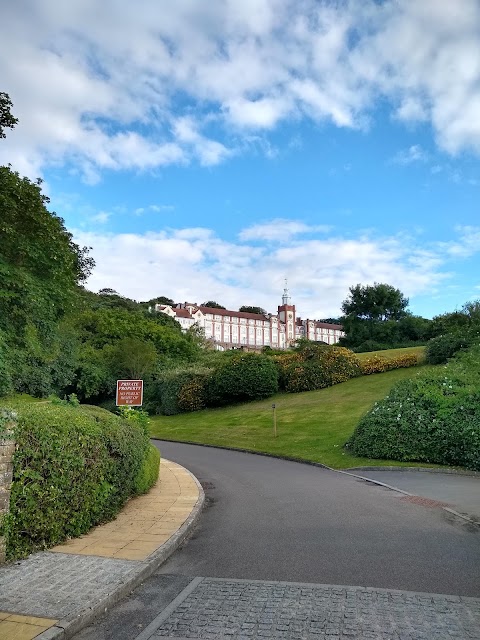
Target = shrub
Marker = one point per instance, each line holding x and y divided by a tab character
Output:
318	366
377	364
244	377
434	417
73	468
179	390
444	347
148	472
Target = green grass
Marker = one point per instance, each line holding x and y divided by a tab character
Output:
392	353
311	426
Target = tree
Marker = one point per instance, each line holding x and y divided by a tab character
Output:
158	300
212	304
259	310
375	303
7	120
373	315
133	358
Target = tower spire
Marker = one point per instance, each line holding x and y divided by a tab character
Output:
286	295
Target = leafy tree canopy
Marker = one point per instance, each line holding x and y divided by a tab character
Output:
378	302
158	300
248	309
7	120
212	304
40	265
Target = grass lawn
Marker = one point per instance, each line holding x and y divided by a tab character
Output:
311	426
391	353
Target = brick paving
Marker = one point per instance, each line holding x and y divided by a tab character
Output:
250	610
52	585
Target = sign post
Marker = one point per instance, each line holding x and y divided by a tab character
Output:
129	393
274	407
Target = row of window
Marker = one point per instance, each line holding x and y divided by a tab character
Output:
236	320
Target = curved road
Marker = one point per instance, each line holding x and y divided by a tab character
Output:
272	519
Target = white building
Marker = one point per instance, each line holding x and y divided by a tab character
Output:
234	329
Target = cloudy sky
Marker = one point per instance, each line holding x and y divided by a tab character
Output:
208	150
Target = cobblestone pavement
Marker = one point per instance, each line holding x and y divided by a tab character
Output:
247	610
52	585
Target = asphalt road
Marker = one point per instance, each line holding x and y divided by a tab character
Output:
460	492
269	519
272	519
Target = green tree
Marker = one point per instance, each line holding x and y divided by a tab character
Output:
212	304
158	300
133	358
259	310
7	120
372	315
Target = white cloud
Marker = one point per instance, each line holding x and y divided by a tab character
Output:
280	230
414	153
137	86
195	264
156	208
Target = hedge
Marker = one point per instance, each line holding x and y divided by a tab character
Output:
434	417
178	391
244	377
73	468
378	364
316	367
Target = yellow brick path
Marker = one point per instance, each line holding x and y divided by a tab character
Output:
143	525
15	627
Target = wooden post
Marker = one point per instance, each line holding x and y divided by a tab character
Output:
274	420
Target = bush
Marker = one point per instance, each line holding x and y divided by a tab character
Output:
73	468
148	473
377	364
434	417
444	347
179	390
244	377
316	367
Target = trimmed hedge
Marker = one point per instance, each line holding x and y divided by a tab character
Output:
316	367
179	390
377	364
74	468
147	475
434	417
244	377
440	349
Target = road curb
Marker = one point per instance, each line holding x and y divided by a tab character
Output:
72	624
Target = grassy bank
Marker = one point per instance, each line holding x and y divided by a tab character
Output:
311	426
392	353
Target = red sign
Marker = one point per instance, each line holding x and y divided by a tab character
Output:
129	393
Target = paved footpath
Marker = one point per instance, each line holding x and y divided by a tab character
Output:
55	593
214	608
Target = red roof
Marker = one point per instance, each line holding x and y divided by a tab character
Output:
182	313
236	314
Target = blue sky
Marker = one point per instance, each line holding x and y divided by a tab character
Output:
210	151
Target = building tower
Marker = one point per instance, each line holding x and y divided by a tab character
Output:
286	315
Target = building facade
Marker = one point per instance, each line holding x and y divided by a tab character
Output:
236	329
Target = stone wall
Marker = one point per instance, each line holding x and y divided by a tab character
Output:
7	449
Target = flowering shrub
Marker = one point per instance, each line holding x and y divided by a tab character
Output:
377	364
318	367
434	417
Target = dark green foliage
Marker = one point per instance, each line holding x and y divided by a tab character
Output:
73	468
7	120
165	394
242	378
148	473
442	348
259	310
212	304
379	314
434	417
